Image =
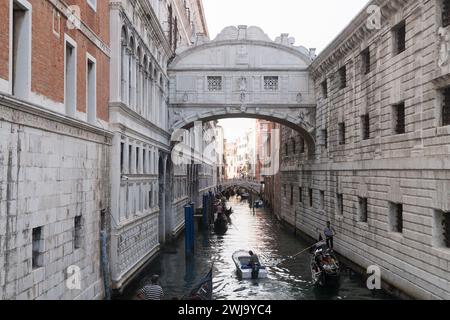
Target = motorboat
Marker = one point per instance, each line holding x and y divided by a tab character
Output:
258	204
325	268
245	270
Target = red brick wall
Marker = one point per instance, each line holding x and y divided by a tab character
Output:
4	39
48	54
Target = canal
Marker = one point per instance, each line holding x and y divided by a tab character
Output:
261	232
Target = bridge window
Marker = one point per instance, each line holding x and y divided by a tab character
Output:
446	106
340	203
445	13
214	83
441	229
399	37
271	83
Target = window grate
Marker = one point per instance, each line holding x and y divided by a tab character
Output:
311	197
343	77
341	133
300	195
340	203
400	37
446	107
396	217
271	83
446	229
399	116
445	13
325	138
214	83
365	55
365	121
302	145
363	209
325	89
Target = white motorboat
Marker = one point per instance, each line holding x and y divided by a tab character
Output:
245	270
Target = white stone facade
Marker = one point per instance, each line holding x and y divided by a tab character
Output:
362	172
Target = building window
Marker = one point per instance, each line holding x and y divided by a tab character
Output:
70	79
342	77
122	156
341	133
399	118
446	106
445	13
138	156
78	231
92	4
130	162
340	203
300	195
399	37
144	161
324	137
21	50
214	83
396	217
311	197
324	86
441	229
322	200
271	83
38	247
91	88
292	196
365	127
362	209
365	57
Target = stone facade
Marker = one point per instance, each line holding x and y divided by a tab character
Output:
381	169
54	155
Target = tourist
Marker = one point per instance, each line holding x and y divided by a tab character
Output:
329	235
152	291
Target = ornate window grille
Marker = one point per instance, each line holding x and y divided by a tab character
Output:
341	133
446	107
365	121
399	117
214	83
271	83
365	56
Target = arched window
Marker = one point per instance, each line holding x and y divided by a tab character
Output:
131	73
124	65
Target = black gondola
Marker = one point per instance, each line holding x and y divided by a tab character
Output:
221	224
228	212
325	268
204	290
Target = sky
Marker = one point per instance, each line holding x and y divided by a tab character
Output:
313	23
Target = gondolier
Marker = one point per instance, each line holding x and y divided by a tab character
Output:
152	291
329	235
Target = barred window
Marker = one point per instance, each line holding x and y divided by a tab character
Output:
214	83
340	203
300	195
311	203
445	13
365	57
362	209
342	77
399	118
271	83
365	126
302	145
399	34
325	89
342	133
396	217
446	107
325	138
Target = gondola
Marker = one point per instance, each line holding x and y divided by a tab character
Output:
258	204
204	290
325	268
221	224
241	259
245	196
228	212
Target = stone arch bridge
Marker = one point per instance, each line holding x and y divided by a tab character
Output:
243	74
251	185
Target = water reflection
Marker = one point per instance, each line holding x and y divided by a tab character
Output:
259	231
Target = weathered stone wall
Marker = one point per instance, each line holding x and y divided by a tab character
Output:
51	171
412	169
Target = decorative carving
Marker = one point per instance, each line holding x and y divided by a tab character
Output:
444	47
243	84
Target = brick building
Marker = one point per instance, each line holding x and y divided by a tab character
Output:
54	149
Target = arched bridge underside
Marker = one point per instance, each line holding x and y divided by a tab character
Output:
249	185
243	74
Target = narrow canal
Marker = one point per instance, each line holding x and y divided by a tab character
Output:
258	231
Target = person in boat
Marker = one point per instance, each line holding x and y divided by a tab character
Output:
153	291
254	261
329	235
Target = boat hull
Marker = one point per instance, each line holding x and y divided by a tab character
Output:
244	271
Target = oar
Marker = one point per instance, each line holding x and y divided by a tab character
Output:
296	255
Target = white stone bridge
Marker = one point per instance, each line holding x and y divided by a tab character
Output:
248	184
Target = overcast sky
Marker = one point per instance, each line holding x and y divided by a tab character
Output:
313	23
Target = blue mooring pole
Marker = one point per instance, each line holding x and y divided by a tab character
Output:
192	233
187	228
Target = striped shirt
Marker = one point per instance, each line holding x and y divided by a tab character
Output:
152	292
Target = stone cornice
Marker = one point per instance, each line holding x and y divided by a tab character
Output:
30	115
352	36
